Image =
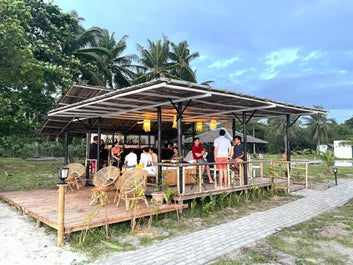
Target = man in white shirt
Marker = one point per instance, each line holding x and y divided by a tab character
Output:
222	150
131	159
145	158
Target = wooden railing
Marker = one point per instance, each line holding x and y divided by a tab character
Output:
291	172
259	172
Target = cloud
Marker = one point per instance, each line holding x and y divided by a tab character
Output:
300	52
313	55
239	73
224	63
276	60
282	57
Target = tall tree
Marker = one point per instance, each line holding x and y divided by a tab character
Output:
36	62
92	64
181	58
154	60
120	66
276	134
349	122
22	75
165	59
49	31
18	66
318	125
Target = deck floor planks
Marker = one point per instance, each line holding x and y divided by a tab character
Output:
43	206
79	215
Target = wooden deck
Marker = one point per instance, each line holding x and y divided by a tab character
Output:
42	205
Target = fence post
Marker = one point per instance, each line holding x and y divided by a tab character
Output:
61	215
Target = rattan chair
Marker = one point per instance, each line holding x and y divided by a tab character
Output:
103	181
131	186
76	172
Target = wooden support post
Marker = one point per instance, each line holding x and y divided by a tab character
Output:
306	175
61	215
288	176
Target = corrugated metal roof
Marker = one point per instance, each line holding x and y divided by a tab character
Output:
123	110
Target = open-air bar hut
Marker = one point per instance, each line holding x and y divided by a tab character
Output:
85	109
170	107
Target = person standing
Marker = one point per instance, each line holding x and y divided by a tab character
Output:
198	152
93	152
222	151
93	148
103	154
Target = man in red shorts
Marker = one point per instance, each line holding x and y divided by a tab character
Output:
222	150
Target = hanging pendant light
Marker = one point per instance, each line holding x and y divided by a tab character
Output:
199	126
147	125
213	124
175	122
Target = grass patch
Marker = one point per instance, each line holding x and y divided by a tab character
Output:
19	174
98	241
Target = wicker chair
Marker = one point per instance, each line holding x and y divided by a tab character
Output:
131	186
76	172
103	181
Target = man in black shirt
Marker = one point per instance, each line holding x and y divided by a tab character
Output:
93	149
238	153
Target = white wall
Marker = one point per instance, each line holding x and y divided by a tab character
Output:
342	150
322	148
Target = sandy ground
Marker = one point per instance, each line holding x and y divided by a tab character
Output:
23	243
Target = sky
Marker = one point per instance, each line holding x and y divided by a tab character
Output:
297	51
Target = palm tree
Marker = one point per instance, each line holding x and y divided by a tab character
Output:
154	61
92	66
318	126
100	59
277	125
181	58
120	66
277	130
163	58
86	58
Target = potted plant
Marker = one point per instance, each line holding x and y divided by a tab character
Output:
157	196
